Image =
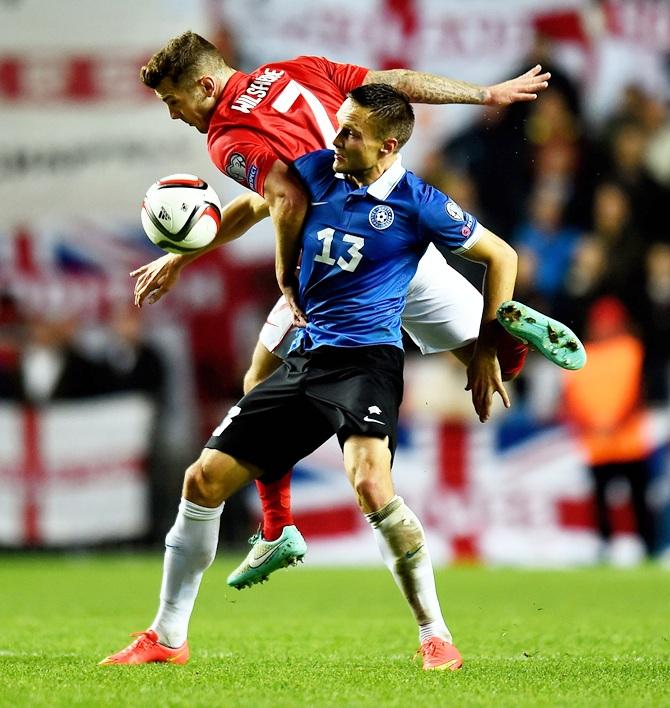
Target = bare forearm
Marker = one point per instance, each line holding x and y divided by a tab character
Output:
500	260
420	87
287	202
429	88
287	218
237	217
484	375
498	287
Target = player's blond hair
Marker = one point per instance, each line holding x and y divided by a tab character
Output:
183	57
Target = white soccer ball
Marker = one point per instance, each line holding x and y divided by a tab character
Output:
181	213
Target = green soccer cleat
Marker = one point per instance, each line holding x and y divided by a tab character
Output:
267	556
549	337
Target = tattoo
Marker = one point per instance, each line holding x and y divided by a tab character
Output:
429	88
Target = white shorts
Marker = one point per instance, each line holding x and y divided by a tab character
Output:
443	311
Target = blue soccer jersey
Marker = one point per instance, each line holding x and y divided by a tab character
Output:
361	248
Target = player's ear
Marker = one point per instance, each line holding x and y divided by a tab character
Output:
389	145
208	83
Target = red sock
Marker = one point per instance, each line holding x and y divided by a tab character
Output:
276	506
512	354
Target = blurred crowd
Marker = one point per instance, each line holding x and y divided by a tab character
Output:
44	358
581	203
583	206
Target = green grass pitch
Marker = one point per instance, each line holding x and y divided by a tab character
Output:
325	637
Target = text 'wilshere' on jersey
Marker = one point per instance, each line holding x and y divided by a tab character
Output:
280	111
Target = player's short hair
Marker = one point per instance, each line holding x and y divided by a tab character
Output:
391	109
183	57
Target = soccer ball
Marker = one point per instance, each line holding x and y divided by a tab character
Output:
181	213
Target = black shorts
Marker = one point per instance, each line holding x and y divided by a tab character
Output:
313	395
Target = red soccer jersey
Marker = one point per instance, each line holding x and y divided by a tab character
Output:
280	111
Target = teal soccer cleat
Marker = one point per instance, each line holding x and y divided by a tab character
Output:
549	337
267	556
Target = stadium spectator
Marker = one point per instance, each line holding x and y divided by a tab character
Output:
657	153
136	364
615	227
626	166
52	366
546	242
492	152
630	109
138	367
586	281
508	150
542	52
604	403
559	155
651	304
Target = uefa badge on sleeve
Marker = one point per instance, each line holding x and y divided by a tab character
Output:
381	217
237	168
454	211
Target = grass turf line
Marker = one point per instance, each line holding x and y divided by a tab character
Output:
321	637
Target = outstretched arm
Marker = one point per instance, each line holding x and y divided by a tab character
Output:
430	88
155	279
484	377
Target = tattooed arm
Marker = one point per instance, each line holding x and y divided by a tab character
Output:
430	88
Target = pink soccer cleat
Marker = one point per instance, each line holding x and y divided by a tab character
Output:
147	650
439	655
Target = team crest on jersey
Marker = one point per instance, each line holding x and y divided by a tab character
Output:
454	211
237	168
381	217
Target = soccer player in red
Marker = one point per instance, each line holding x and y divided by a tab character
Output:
256	125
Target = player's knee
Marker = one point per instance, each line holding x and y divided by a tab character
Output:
192	482
203	483
368	491
371	487
369	471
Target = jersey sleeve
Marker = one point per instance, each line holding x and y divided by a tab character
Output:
247	161
344	76
444	223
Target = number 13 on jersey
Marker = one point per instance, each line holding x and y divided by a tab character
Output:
326	235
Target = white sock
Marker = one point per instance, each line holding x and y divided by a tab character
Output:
398	532
190	548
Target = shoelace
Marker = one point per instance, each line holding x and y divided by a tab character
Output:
257	536
143	639
430	648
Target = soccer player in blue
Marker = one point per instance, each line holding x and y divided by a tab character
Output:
369	223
